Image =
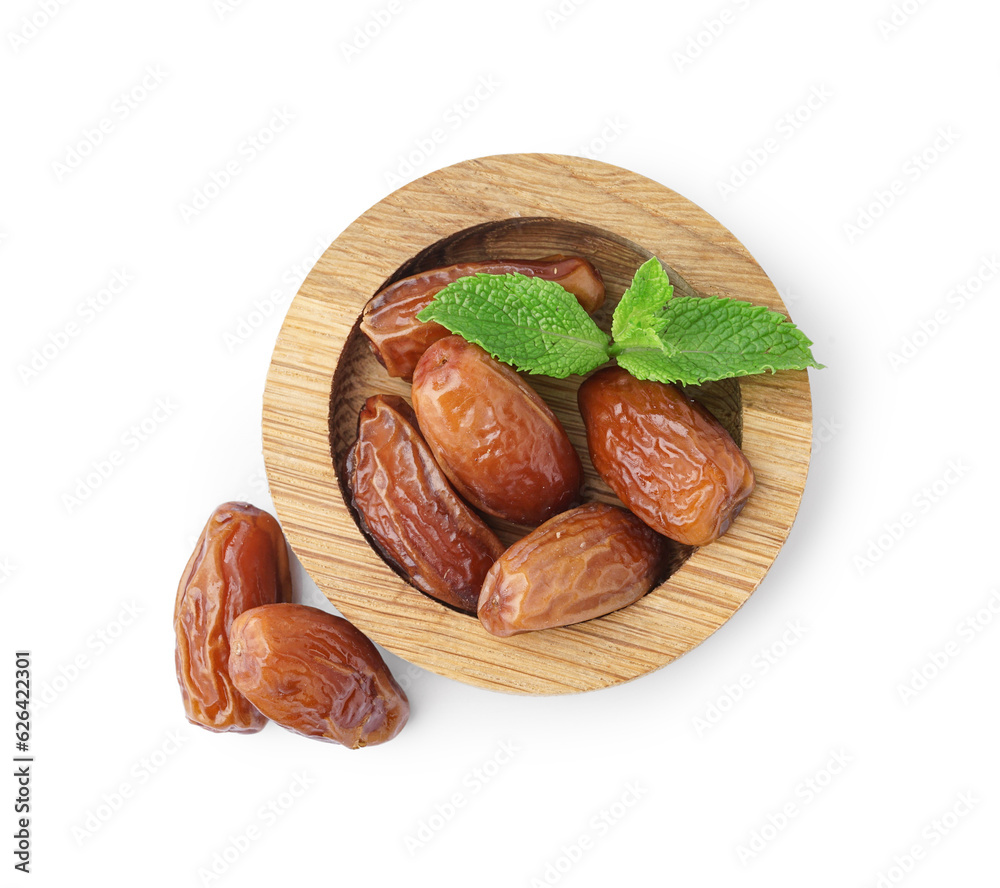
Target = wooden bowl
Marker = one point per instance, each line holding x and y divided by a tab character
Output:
521	206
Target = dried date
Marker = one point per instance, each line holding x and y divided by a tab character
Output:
498	442
410	510
582	564
239	562
316	674
398	339
665	456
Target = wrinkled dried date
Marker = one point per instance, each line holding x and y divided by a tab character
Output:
408	508
582	564
398	339
664	455
498	442
239	562
316	674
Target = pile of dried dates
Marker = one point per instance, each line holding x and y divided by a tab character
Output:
245	654
478	440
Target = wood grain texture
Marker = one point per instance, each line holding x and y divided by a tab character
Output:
521	206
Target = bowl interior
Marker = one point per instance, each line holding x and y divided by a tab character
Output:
359	375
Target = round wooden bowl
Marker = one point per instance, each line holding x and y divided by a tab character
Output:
521	206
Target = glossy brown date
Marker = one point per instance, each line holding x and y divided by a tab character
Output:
410	511
398	339
315	674
582	564
498	442
239	562
664	455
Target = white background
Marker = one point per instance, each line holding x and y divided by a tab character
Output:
799	745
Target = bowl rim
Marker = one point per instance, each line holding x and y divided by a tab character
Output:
303	377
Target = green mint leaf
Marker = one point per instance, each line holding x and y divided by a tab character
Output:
639	314
710	337
534	324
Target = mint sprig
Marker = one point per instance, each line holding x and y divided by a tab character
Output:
539	327
534	324
639	315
